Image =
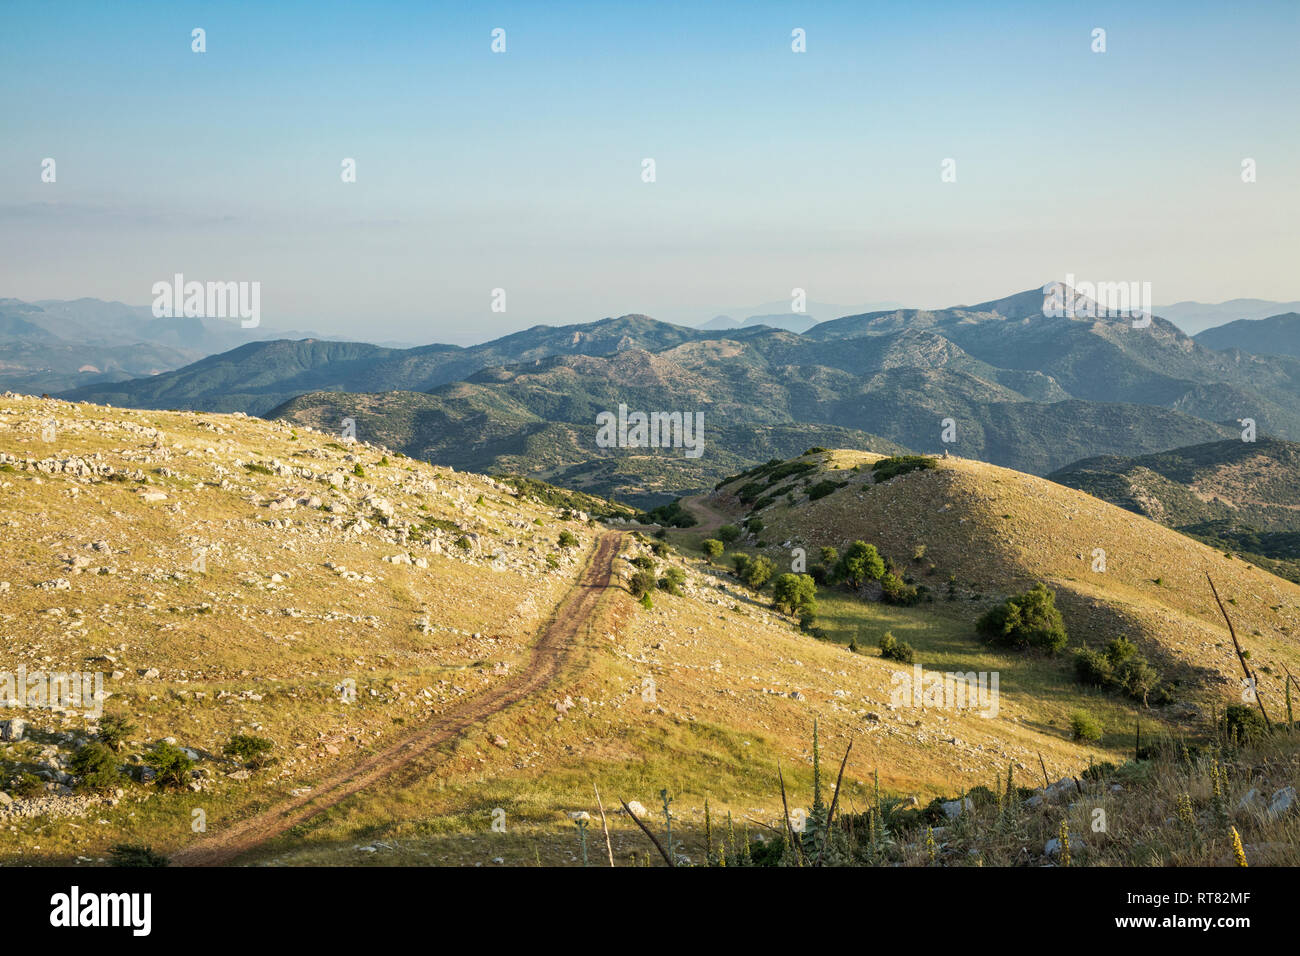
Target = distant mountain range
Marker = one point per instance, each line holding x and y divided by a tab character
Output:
1017	388
1276	335
51	346
1195	317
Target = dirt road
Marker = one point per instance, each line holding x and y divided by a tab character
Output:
572	616
709	520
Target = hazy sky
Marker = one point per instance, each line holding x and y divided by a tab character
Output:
523	170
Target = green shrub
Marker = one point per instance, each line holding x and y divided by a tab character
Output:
1084	726
135	855
96	767
1030	620
672	580
712	548
568	539
892	649
739	561
795	594
464	543
170	763
1120	667
253	751
643	582
29	786
757	572
1244	723
358	470
728	533
894	590
1093	668
824	488
258	469
646	602
888	468
113	731
861	563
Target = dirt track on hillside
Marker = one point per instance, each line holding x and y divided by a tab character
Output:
709	520
546	659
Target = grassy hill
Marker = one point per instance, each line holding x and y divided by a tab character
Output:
992	532
1235	495
228	575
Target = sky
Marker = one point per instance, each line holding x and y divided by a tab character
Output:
523	170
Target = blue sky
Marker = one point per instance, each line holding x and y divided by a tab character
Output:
522	170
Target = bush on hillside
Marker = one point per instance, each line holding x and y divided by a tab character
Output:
643	582
672	580
888	468
795	594
113	731
1084	726
96	767
1244	723
253	751
757	571
861	563
892	649
171	764
1029	620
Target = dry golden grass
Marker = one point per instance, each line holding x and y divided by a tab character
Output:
736	687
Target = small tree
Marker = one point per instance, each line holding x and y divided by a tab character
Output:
672	580
892	649
1028	620
728	533
757	572
861	563
795	594
712	549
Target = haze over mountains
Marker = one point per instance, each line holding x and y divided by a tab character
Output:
1021	389
53	345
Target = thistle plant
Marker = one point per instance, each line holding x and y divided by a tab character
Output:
668	821
708	835
582	838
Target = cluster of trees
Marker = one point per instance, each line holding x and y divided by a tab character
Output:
646	578
1121	668
862	563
